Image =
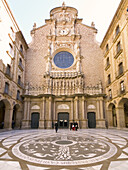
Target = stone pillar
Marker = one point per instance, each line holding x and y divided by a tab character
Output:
76	109
71	118
8	119
109	117
41	122
120	117
26	122
49	122
98	110
84	119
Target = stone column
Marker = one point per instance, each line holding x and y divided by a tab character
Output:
71	118
98	110
109	117
8	118
120	117
41	122
49	122
84	119
26	122
76	109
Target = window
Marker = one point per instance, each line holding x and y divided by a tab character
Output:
8	70
21	48
19	80
122	88
20	62
107	47
108	62
118	47
109	79
110	94
18	95
117	30
6	90
10	49
120	68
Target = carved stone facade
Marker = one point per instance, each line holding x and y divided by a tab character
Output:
64	73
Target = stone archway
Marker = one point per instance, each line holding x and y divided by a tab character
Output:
16	117
112	116
123	113
6	115
2	114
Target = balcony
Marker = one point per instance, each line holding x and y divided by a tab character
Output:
7	92
21	67
8	73
107	67
116	37
118	53
119	73
20	84
122	91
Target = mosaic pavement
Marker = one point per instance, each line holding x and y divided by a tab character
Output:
90	149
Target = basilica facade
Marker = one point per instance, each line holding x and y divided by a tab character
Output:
64	74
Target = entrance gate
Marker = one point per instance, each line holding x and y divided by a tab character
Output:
63	120
35	120
91	120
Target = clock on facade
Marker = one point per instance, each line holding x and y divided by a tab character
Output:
63	59
64	31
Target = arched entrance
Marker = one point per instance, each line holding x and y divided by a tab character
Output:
16	117
35	116
2	114
123	113
5	114
63	120
112	115
91	116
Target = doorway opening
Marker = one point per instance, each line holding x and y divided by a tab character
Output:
63	120
91	116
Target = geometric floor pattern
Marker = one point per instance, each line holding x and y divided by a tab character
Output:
85	149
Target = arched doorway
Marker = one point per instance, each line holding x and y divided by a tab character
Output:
112	115
2	114
63	120
16	117
91	116
123	112
35	116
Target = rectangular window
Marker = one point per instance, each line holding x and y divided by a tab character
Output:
117	30
110	94
118	47
122	88
18	95
108	61
120	68
6	90
109	79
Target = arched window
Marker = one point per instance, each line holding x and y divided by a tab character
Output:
117	30
21	48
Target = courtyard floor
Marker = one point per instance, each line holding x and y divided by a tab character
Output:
89	149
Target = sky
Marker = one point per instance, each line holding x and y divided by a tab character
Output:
28	12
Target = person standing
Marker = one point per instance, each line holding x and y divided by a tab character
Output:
56	127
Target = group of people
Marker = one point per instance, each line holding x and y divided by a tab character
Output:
74	126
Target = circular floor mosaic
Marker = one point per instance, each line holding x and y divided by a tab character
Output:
64	149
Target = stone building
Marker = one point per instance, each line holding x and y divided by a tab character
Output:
12	69
64	74
115	47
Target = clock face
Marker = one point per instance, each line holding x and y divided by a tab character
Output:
63	59
64	31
